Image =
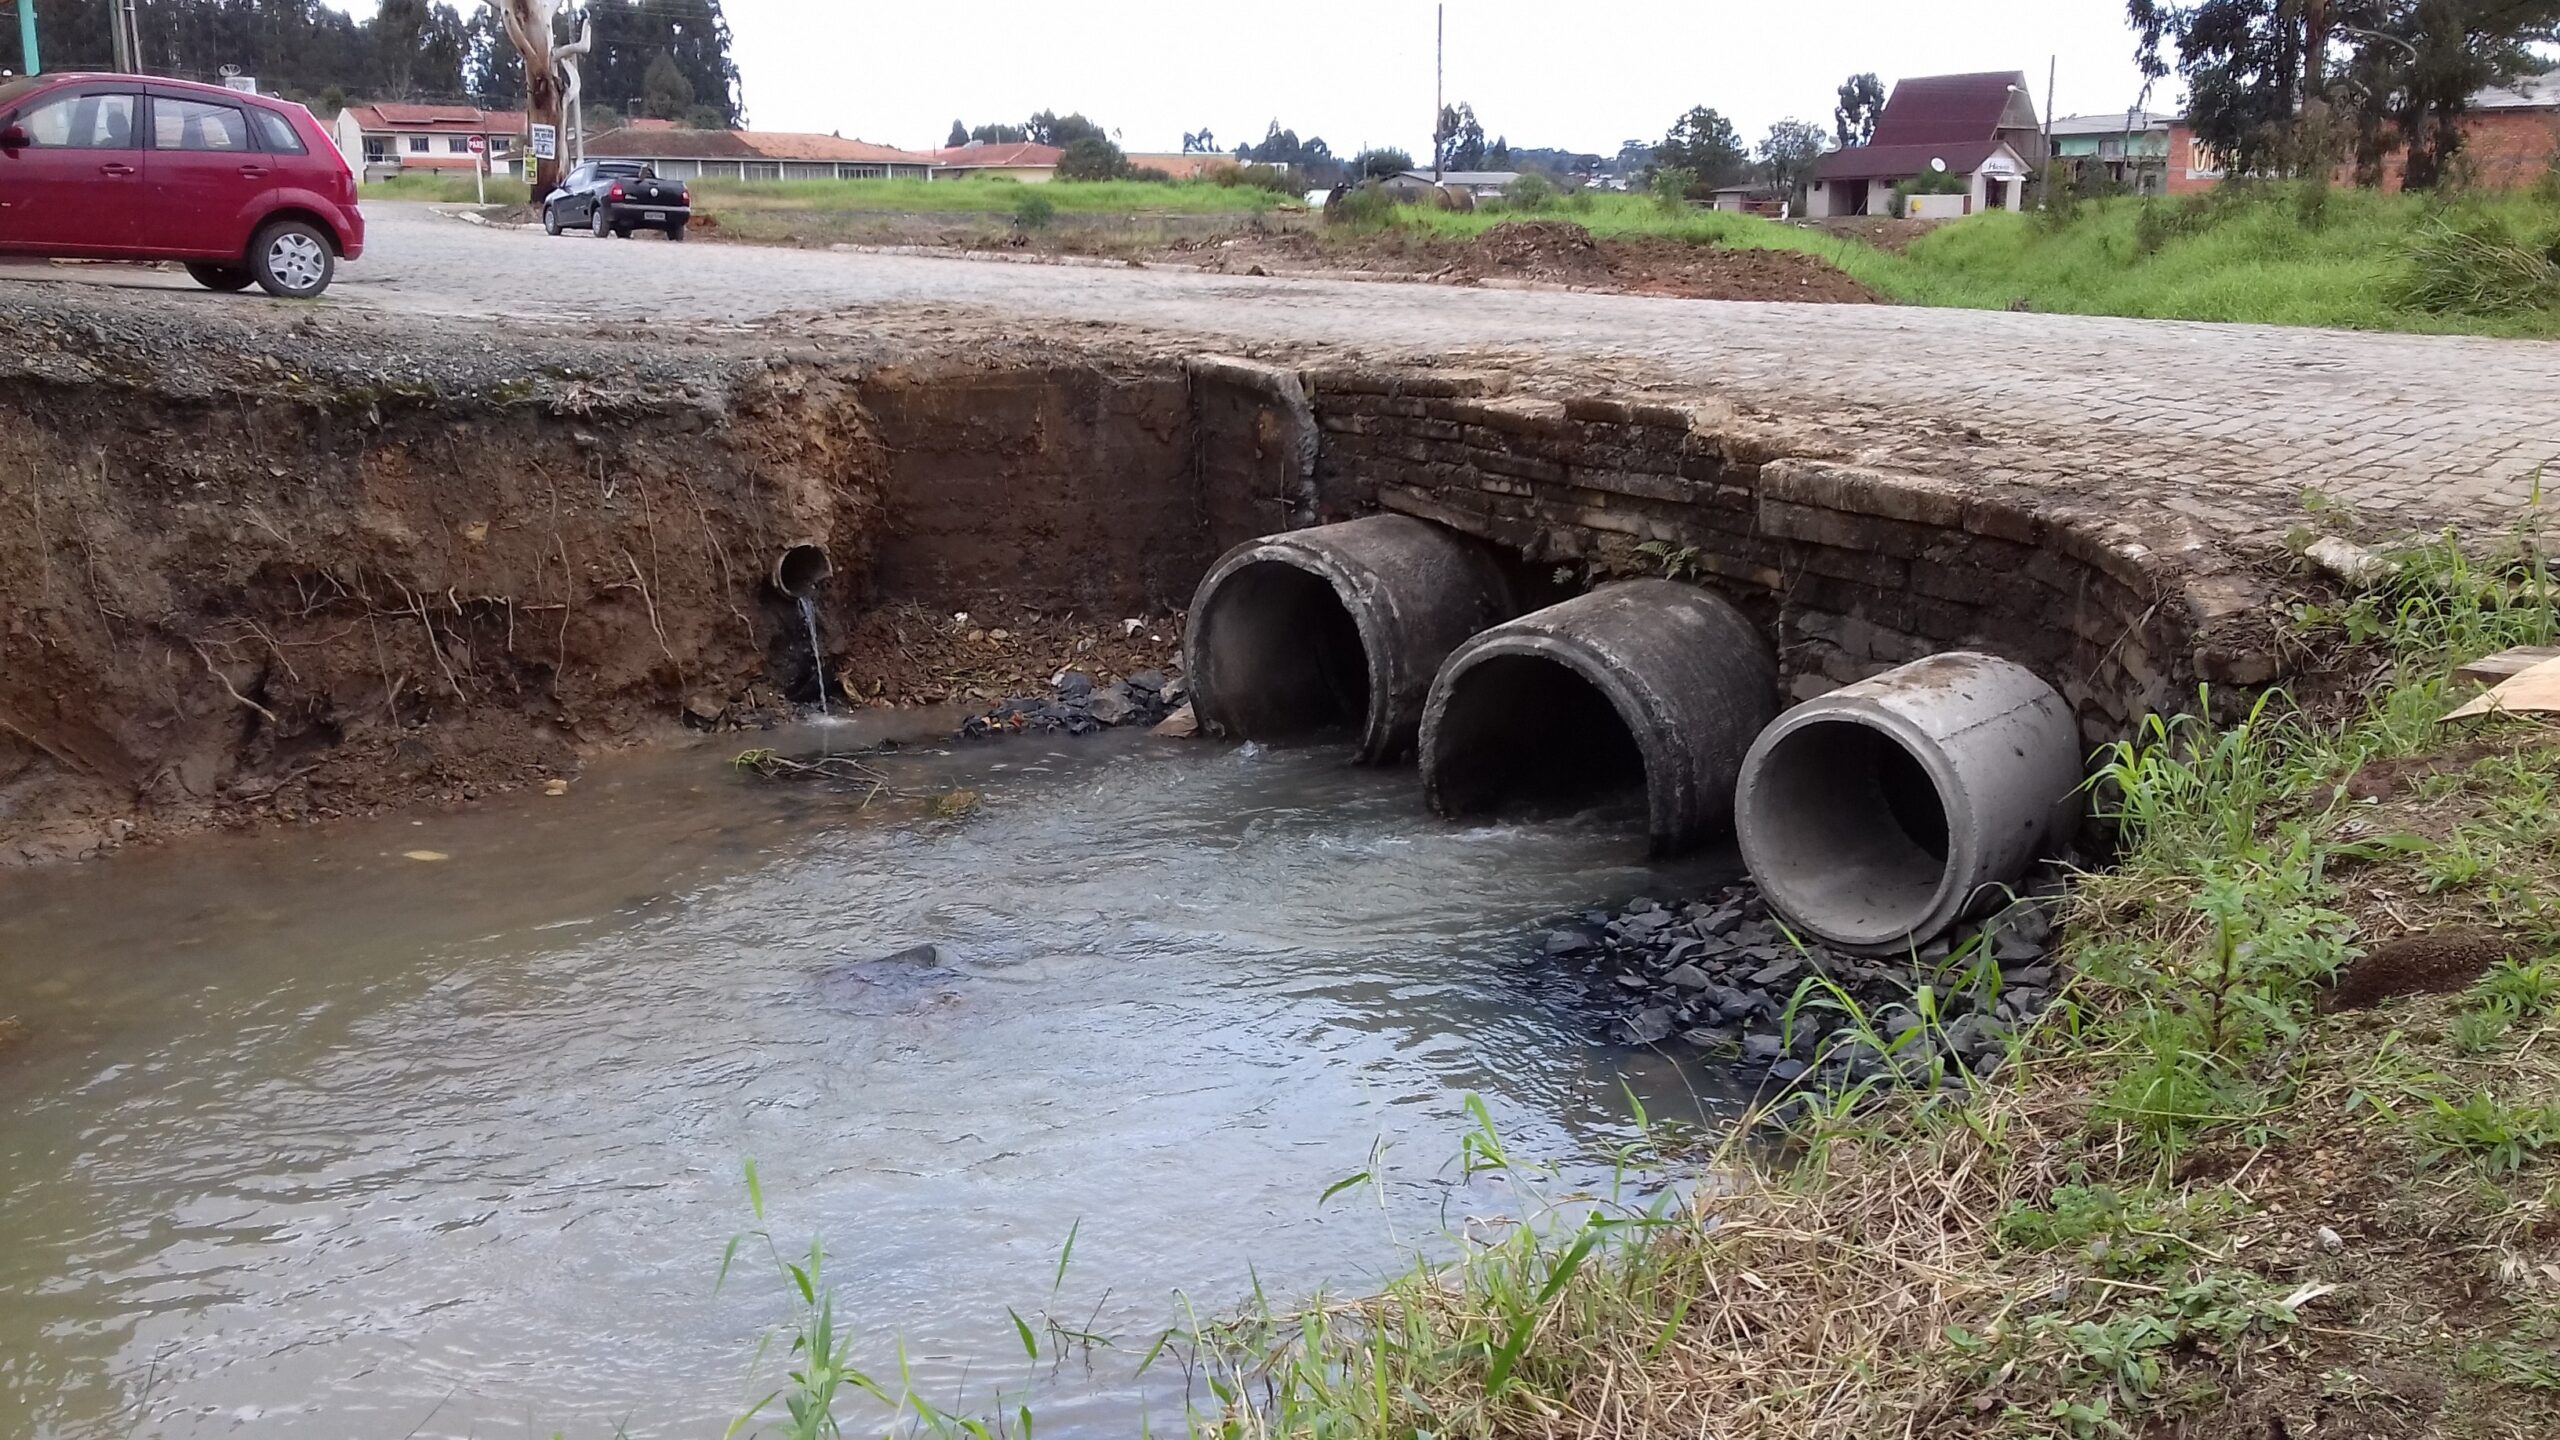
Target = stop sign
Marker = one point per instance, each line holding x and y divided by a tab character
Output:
479	143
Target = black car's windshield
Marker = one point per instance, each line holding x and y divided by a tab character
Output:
625	170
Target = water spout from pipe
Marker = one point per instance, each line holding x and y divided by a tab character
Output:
817	657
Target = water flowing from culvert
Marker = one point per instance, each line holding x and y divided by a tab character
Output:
315	1134
817	656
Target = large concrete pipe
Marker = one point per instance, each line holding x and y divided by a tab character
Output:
1340	624
1882	813
1643	681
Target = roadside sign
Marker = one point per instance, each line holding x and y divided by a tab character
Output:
479	144
546	142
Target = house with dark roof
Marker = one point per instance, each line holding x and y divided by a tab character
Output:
1980	128
679	154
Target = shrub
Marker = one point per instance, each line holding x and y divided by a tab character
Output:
1033	210
1148	175
1529	194
1361	206
1671	187
2476	265
1278	179
1092	158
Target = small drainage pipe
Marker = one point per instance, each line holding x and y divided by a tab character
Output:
800	569
1338	624
1643	680
1880	814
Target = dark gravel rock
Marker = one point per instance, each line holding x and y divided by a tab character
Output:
1722	975
1081	706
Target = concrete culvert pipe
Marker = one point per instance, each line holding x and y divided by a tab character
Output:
1880	814
1338	625
799	570
1644	682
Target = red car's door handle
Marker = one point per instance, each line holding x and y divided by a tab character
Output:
253	172
119	171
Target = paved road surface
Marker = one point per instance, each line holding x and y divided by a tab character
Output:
2228	423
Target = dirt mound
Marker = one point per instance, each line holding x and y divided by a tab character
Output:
1562	253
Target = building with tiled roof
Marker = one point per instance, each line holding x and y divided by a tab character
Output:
757	155
1024	161
388	139
1980	128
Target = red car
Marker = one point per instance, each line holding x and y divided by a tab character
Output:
128	167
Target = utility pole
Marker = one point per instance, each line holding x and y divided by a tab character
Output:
1439	83
116	40
32	61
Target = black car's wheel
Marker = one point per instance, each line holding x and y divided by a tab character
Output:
225	278
292	260
599	224
676	233
550	219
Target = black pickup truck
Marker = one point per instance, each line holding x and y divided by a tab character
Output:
616	197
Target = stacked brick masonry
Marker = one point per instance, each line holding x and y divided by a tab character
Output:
1855	569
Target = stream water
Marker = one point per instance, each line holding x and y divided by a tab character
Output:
435	1126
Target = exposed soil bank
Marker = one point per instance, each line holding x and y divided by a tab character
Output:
256	569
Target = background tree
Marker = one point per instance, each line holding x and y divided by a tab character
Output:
1788	154
492	69
959	135
632	34
664	92
1853	120
1050	128
1378	163
1497	156
1704	144
2247	64
999	134
2446	51
1199	142
1311	158
1092	157
1460	143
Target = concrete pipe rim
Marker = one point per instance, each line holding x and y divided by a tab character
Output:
801	568
1909	925
1377	738
1645	728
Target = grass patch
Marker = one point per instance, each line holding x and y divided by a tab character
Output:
2350	259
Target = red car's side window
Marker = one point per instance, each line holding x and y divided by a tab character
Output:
193	125
82	122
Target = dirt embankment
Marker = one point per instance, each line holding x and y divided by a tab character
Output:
1548	252
266	568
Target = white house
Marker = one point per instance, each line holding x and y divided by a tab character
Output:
381	141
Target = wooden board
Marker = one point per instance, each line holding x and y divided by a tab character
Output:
2506	664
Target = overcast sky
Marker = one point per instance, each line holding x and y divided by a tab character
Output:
1580	74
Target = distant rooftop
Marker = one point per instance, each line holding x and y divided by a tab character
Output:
2113	122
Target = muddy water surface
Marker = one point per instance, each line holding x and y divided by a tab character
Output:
317	1134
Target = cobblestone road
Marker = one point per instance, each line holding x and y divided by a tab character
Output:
2229	424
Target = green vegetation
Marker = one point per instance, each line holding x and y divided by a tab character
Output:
2199	1201
2290	255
